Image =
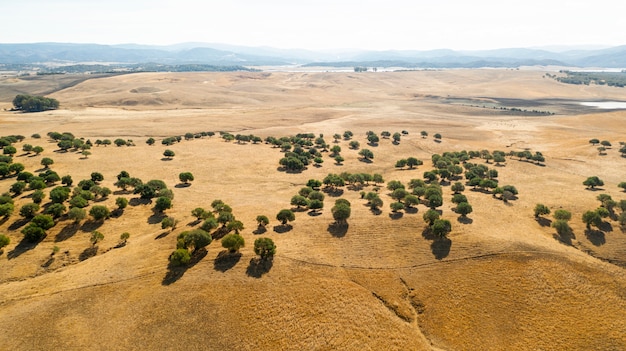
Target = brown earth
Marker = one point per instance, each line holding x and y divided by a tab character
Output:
501	282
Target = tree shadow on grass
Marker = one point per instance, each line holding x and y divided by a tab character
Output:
194	223
441	248
182	185
176	272
333	192
376	211
605	227
88	253
596	237
162	235
411	210
313	213
338	229
67	232
259	230
226	260
544	222
22	247
90	226
396	215
18	224
258	267
156	218
136	201
282	228
465	220
428	234
48	262
565	238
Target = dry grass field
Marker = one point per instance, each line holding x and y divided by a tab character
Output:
500	282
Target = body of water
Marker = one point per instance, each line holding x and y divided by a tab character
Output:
606	105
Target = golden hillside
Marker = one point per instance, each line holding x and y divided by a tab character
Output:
501	281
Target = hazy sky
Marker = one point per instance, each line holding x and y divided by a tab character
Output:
319	24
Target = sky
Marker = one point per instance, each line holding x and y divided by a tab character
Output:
320	24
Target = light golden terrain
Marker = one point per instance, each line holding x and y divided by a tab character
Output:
501	282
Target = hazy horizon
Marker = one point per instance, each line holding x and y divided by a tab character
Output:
320	25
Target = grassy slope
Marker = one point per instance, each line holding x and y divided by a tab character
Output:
502	282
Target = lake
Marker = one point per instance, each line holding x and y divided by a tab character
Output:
606	105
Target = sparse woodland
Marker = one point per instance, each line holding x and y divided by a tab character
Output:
315	210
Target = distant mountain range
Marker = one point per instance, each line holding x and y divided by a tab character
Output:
221	54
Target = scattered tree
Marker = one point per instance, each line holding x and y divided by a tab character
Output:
541	210
233	242
593	182
99	212
285	216
265	248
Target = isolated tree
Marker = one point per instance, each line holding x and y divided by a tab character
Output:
195	239
394	184
185	177
121	203
18	187
150	141
265	248
99	212
541	210
4	241
396	137
169	154
233	242
37	150
354	144
299	201
622	185
33	233
593	182
430	216
76	214
285	216
592	218
168	222
412	162
209	224
67	180
29	210
464	209
458	198
396	206
180	257
424	134
162	203
200	213
339	159
441	227
562	215
341	211
55	210
9	150
235	225
457	187
124	238
47	162
437	136
262	221
401	163
96	237
96	177
366	154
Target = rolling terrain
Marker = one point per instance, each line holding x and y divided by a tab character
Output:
502	280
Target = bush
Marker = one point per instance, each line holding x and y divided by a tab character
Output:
180	257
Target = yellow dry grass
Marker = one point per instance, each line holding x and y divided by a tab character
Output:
502	282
